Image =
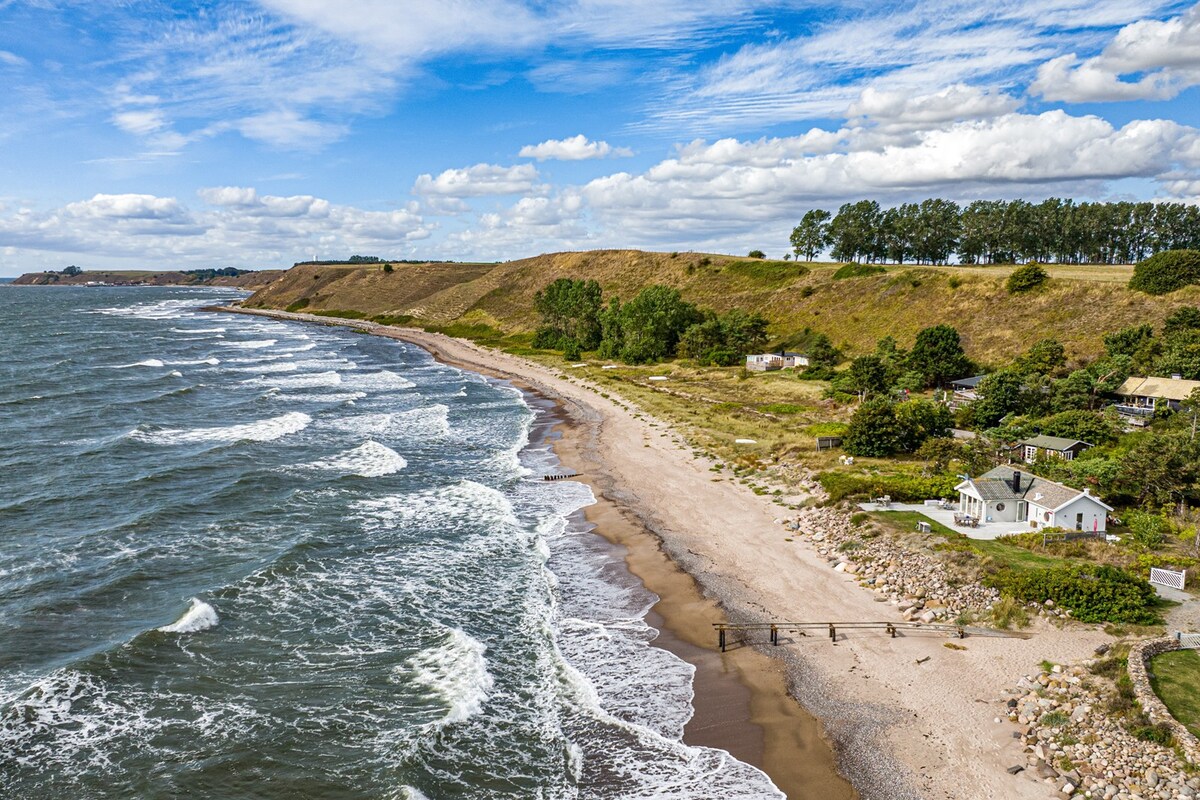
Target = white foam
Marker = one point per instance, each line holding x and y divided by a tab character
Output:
197	330
253	344
149	362
176	373
369	460
268	367
428	421
262	431
212	362
457	672
382	381
311	380
199	617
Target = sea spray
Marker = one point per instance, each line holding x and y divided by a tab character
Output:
200	616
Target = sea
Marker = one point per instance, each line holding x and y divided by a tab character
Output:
248	558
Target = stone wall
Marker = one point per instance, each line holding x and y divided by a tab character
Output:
1140	656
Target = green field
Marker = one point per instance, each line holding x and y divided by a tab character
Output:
998	553
1176	679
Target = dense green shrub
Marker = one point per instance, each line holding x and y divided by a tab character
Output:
902	488
1027	278
857	271
1167	271
1093	593
299	304
332	312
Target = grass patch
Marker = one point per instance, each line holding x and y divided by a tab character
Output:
997	553
1176	680
341	314
768	273
401	320
783	408
857	271
299	304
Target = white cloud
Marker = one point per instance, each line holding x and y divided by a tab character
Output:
238	226
139	123
12	59
288	130
907	111
480	180
575	148
1148	59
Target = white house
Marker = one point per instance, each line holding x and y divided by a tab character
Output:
1006	494
764	362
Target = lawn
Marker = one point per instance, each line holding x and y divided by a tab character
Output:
1176	679
1000	553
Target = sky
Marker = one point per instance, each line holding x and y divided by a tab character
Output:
258	133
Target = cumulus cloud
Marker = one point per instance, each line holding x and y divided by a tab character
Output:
912	112
480	180
1148	59
236	225
575	148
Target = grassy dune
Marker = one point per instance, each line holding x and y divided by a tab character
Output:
1079	305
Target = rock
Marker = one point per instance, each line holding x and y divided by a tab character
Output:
1152	778
1013	770
1067	788
928	617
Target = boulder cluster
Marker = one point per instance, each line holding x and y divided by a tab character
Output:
922	586
1076	740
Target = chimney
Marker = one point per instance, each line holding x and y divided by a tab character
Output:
1016	482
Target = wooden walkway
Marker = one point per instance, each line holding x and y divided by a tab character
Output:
893	629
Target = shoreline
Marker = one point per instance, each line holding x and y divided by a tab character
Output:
905	717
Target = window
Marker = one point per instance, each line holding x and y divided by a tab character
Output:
999	506
1046	516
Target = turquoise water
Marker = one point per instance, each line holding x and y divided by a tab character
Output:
243	558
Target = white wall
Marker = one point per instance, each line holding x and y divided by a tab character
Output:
1092	512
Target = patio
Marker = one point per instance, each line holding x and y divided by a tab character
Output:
986	530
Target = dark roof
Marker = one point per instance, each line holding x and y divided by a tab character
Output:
968	383
996	484
1056	443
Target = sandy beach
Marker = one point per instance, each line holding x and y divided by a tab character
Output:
900	717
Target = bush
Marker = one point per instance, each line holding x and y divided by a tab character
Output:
299	304
1166	272
1092	593
902	488
756	254
388	268
857	271
1027	278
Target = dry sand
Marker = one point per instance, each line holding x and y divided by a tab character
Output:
900	729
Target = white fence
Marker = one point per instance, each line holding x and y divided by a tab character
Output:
1190	641
1166	577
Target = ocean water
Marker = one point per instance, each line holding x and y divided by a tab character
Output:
242	558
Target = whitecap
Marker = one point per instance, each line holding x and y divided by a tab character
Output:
197	330
149	362
252	344
457	672
369	460
212	362
199	617
309	380
176	373
261	431
382	381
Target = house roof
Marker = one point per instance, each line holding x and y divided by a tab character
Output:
996	484
968	383
1163	388
1057	443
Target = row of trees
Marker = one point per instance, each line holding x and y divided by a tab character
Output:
655	324
998	231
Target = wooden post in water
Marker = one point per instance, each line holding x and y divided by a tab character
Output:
721	639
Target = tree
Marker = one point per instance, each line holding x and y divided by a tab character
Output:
1131	342
938	355
1160	469
811	236
873	430
1027	278
1000	394
821	352
922	419
939	451
855	232
72	271
1180	355
724	340
867	376
1147	529
1084	426
1184	318
1045	357
756	254
570	312
652	323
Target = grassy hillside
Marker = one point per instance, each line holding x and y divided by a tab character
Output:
1078	306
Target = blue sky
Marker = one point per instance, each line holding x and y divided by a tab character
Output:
148	134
